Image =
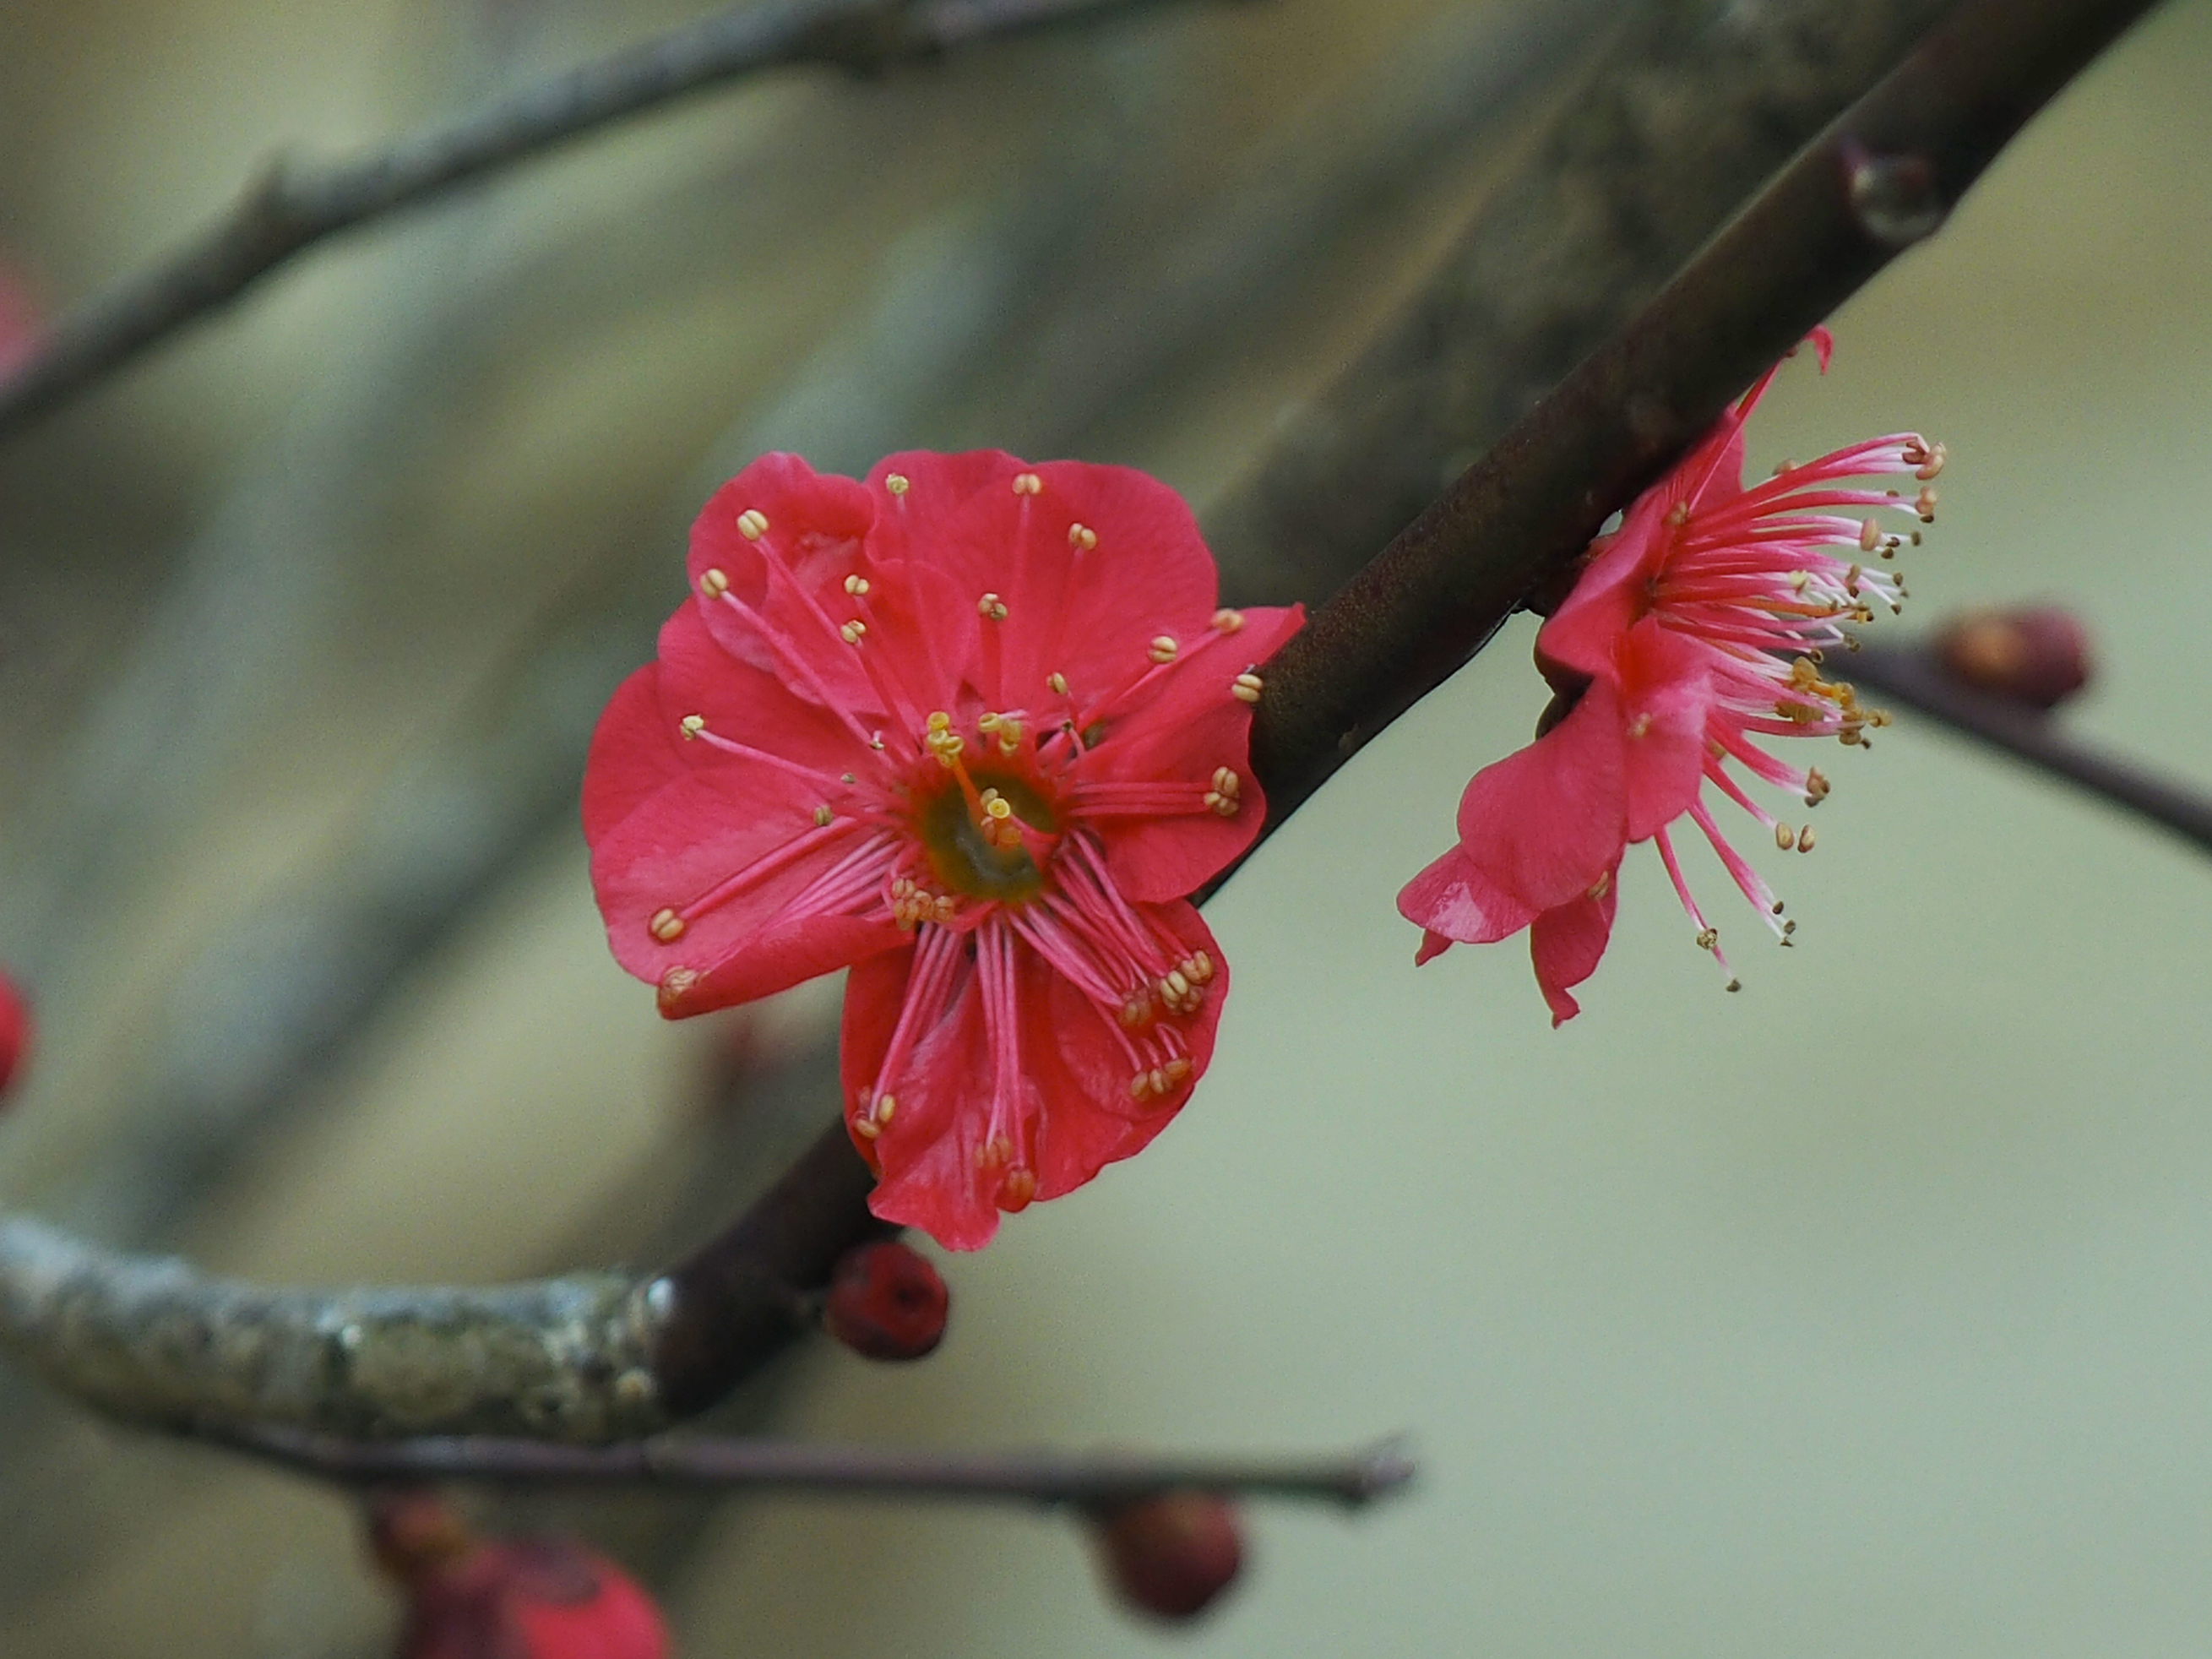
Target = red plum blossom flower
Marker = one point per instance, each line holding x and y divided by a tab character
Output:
1694	629
976	729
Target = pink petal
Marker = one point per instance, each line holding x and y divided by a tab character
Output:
1565	944
1453	901
1666	692
1545	823
633	753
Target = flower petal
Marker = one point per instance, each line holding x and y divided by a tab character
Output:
1666	692
1566	943
1454	903
1546	821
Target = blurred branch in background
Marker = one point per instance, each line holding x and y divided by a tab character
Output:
1354	1480
291	207
1916	676
1738	307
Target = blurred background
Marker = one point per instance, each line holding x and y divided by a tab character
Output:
1867	1310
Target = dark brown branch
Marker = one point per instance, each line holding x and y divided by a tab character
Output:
1883	176
1352	1479
1912	678
291	207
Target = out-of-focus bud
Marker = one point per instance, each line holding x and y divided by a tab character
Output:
519	1598
1171	1554
886	1301
2034	654
15	1031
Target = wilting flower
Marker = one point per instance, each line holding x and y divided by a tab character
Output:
976	729
1694	629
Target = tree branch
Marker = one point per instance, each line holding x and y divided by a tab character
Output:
1913	676
290	208
1352	1479
569	1351
1882	176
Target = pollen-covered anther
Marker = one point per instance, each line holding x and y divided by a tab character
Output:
1708	938
1016	1188
691	726
897	482
1678	514
1197	968
752	524
1924	505
942	741
1603	885
1178	995
1869	534
1138	1007
1162	648
1246	687
1007	728
823	817
1805	839
714	583
1028	483
1816	787
1160	1081
1082	536
856	585
1056	683
852	631
1226	621
1784	836
674	985
991	607
666	926
1926	459
996	1153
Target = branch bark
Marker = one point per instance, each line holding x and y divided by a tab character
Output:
290	208
1879	180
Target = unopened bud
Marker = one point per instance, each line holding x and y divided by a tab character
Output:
886	1301
1171	1554
2034	654
15	1031
517	1598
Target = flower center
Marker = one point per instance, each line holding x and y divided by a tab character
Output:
976	847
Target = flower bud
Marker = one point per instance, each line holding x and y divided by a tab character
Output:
2034	654
886	1301
518	1598
15	1031
1171	1554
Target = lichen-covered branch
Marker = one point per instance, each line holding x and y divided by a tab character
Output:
292	206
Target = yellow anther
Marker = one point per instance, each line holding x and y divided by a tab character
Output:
856	585
1781	467
675	985
1000	808
1057	685
1016	1191
1708	938
1177	1070
1784	836
867	1127
1640	725
1137	1008
714	584
752	524
940	721
1678	514
1197	968
896	483
851	632
691	726
1805	839
1245	688
885	1105
1162	648
823	817
667	925
1226	621
1602	885
1223	806
1926	460
995	1153
992	606
1226	781
1924	504
1082	536
1027	483
1869	534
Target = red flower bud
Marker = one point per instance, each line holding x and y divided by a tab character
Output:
886	1301
15	1030
1170	1555
2035	654
520	1598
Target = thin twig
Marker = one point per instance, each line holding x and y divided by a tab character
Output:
1352	1478
291	206
1913	676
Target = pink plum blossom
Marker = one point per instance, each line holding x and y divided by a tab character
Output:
1695	631
975	729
